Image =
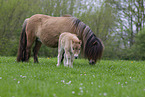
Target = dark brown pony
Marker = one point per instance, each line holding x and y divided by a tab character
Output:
44	29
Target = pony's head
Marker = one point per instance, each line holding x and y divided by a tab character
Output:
93	49
76	46
92	46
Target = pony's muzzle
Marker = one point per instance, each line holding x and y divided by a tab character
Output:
76	57
92	62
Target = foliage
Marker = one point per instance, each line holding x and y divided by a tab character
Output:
131	18
107	78
139	47
116	23
13	13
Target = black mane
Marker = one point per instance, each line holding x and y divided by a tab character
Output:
92	46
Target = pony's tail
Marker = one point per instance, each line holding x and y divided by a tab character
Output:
22	44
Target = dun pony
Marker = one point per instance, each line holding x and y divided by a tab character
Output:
44	29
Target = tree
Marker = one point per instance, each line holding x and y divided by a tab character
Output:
139	47
14	12
132	18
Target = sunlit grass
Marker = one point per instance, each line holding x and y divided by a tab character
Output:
107	78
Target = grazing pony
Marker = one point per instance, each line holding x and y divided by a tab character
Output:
70	45
44	29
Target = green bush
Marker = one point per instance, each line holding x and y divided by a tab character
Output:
138	49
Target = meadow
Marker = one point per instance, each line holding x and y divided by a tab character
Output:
108	78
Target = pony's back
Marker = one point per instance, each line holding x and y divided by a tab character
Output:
70	36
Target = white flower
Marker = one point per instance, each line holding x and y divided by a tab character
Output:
80	88
23	76
0	77
63	81
105	94
81	91
18	82
73	92
54	95
81	84
69	82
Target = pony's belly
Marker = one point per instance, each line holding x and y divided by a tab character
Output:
50	41
49	44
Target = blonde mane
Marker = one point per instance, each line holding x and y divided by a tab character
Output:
74	37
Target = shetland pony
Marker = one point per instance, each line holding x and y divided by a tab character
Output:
44	29
70	45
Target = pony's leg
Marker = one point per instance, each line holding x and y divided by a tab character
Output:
28	51
68	58
62	56
72	59
64	62
36	49
30	40
59	57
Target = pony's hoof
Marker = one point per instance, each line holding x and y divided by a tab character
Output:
66	65
71	66
57	65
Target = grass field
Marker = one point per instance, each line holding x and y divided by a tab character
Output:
107	78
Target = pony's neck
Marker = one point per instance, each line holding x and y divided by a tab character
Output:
82	30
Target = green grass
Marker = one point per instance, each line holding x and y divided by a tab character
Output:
107	78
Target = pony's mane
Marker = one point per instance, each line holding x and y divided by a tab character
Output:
67	15
75	38
72	36
88	38
94	47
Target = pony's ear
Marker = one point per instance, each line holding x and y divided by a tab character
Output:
94	43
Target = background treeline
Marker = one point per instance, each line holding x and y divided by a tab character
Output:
119	23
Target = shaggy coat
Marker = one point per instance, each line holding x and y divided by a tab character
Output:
70	45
